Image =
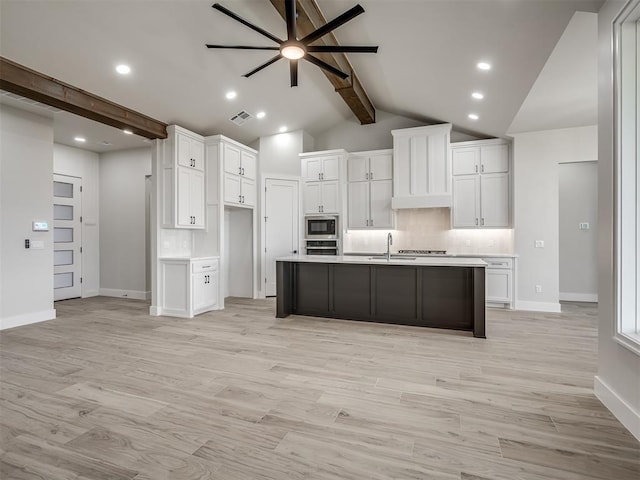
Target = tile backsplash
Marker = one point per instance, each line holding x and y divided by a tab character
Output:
430	228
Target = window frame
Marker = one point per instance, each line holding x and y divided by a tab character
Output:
626	57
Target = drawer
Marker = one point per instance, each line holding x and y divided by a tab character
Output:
495	262
205	266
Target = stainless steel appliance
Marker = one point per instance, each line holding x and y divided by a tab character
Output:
321	227
322	247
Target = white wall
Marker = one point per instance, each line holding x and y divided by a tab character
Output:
279	153
536	208
26	195
122	223
353	137
578	191
76	162
617	384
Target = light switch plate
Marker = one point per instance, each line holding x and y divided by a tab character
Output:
539	244
584	226
37	244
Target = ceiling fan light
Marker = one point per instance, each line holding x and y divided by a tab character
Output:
293	52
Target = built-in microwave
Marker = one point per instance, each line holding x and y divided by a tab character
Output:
321	227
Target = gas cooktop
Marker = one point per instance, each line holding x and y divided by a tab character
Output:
423	252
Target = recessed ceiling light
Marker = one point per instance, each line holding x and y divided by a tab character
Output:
484	66
127	131
261	115
80	139
282	129
231	95
477	95
123	69
473	116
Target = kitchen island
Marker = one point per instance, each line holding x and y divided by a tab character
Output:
423	291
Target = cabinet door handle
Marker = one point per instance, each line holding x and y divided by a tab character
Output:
482	169
476	221
366	176
476	168
242	198
370	175
367	223
371	223
482	221
242	171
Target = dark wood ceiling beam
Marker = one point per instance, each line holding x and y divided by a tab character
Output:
18	79
350	89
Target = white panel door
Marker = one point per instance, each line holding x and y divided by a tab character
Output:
312	169
281	226
231	188
494	207
494	158
248	192
381	215
196	198
67	240
498	288
465	160
184	197
358	204
312	197
466	199
357	169
232	162
248	165
330	168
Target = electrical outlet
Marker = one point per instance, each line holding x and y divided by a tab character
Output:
584	226
538	288
539	244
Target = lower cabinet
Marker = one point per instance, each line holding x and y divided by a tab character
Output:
499	281
190	286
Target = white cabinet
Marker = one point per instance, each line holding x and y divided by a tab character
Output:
183	181
369	190
481	184
321	197
239	191
239	161
422	167
499	281
189	286
323	177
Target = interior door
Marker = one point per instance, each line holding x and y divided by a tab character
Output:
66	237
281	225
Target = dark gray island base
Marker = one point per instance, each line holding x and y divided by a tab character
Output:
440	296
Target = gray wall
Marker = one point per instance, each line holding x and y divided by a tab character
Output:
578	191
279	153
353	137
26	194
122	222
536	208
618	380
84	164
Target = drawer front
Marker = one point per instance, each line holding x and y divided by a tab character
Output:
205	266
502	262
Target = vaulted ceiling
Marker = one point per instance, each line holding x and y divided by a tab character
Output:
425	67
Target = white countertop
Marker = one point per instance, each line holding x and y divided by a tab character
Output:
468	255
188	259
440	261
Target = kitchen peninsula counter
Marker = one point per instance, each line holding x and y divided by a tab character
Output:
440	292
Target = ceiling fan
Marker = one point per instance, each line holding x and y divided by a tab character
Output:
296	49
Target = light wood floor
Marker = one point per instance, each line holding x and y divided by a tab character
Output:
107	392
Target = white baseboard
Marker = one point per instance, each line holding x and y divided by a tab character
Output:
624	412
27	319
538	306
579	297
91	293
155	311
134	294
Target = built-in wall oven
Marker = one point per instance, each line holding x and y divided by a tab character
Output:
322	235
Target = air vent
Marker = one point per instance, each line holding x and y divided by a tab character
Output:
28	101
241	118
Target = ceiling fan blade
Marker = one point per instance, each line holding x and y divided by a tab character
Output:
242	47
290	14
238	18
264	65
340	49
293	69
325	66
333	24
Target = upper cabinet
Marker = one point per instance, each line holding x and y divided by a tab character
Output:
369	188
322	173
481	184
422	167
235	165
183	179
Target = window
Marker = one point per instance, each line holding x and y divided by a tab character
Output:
627	123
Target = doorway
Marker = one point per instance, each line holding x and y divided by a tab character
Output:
281	226
67	237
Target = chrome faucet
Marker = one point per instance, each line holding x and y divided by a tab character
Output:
389	243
